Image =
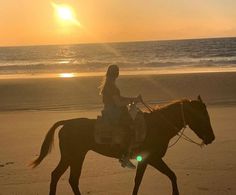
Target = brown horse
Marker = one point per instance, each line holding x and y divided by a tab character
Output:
76	138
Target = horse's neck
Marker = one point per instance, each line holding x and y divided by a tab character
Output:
174	113
172	118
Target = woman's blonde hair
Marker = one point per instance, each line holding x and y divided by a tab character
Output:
111	75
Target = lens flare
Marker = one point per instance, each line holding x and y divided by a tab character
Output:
139	158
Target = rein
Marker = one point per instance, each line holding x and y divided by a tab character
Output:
181	133
147	106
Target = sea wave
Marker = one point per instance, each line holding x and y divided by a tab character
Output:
125	66
129	56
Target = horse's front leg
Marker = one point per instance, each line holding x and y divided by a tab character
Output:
161	166
139	175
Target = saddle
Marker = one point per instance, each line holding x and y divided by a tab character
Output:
111	132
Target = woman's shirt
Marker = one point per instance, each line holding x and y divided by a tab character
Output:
113	112
108	94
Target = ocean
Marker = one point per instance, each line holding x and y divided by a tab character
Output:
217	54
153	69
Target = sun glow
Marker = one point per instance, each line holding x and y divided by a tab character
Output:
65	14
67	75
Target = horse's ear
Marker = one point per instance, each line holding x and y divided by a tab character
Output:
199	98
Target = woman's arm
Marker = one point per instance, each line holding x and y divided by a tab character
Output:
124	101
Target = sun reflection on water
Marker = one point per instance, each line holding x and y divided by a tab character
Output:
67	75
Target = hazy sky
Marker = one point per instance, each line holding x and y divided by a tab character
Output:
27	22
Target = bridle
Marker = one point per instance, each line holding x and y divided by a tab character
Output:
180	133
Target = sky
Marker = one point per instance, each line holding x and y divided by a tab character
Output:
27	22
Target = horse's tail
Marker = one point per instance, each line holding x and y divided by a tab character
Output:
47	144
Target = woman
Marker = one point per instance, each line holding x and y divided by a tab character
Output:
115	106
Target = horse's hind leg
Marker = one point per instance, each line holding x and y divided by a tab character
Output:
139	176
75	171
160	165
56	174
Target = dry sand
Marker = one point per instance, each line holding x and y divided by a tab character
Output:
207	171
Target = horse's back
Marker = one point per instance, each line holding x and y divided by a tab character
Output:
77	131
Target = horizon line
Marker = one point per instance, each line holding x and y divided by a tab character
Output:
113	42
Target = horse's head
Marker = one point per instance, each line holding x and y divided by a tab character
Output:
199	121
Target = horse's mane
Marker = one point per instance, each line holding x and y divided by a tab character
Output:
167	105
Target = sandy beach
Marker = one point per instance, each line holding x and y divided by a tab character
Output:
26	116
206	171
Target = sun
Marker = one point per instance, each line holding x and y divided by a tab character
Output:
65	14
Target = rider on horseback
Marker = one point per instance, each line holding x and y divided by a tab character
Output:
115	106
